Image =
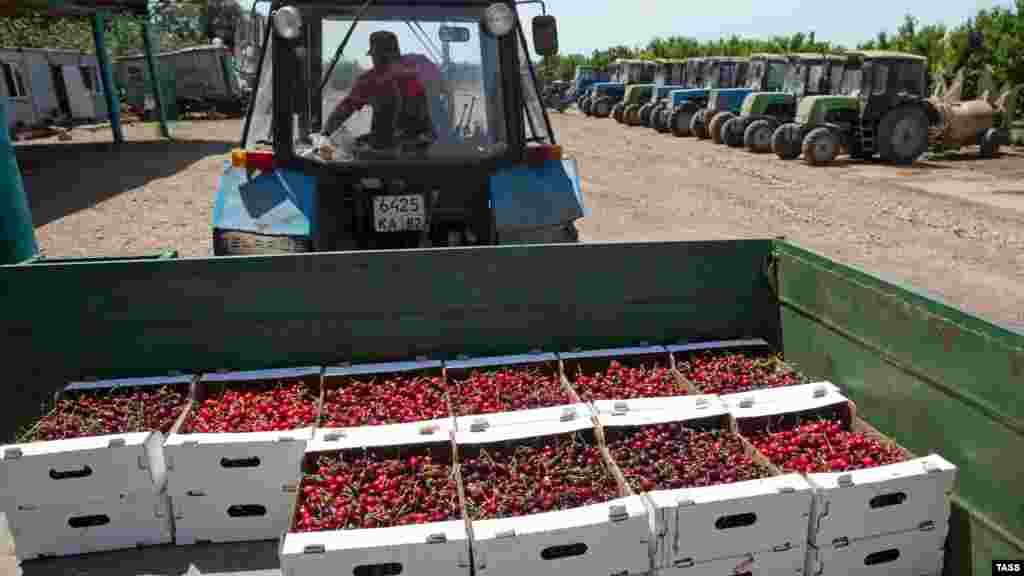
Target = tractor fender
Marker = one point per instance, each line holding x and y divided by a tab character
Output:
528	197
279	203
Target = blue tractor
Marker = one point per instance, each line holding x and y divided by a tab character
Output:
718	72
669	76
604	96
764	73
693	74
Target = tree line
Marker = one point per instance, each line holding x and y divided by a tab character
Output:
1000	32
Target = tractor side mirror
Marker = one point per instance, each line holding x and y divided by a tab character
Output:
545	35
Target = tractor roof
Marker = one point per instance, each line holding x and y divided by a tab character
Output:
886	55
768	56
816	56
633	61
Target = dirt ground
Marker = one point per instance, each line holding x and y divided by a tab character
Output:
953	227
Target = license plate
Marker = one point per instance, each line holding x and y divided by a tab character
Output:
399	213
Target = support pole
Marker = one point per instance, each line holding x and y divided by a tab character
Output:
147	42
17	236
109	89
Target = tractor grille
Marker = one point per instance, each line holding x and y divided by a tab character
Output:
232	242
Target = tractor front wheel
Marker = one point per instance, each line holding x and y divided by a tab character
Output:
661	123
697	125
989	143
645	114
617	111
820	146
601	108
585	106
758	136
679	122
786	141
732	132
631	115
715	128
903	135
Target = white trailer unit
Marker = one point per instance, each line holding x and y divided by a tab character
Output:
203	74
42	86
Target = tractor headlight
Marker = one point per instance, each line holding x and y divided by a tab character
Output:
288	22
499	19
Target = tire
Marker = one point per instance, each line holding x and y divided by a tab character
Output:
662	124
989	143
715	128
679	122
644	115
561	234
732	132
697	125
601	108
617	111
758	136
631	115
903	135
585	105
786	141
820	146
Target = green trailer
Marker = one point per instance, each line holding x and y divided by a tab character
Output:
931	376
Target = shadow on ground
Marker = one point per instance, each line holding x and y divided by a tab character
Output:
241	559
61	179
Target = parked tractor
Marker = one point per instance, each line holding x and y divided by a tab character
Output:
884	111
585	77
624	73
628	110
694	71
762	72
320	172
670	76
763	112
719	72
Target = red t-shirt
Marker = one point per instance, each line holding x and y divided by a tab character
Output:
407	78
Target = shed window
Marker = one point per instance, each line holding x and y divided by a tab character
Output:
14	80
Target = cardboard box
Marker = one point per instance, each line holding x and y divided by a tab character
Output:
785	562
910	553
250	512
547	363
590	362
91	468
753	347
608	538
336	377
706	525
224	463
127	521
431	548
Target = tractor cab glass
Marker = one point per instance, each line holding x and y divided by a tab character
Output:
437	88
879	78
796	77
774	75
908	76
695	73
851	83
836	75
816	77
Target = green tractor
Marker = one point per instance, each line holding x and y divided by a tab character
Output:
695	70
882	109
628	111
605	95
763	112
670	76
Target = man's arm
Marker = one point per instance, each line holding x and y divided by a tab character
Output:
357	97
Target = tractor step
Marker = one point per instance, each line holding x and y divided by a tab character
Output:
866	136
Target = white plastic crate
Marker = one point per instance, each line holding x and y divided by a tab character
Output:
238	515
439	548
897	497
609	538
383	435
334	373
458	370
703	524
910	553
612	537
788	562
221	463
677	407
128	521
89	468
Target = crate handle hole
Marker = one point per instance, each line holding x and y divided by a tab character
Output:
388	569
735	521
243	510
563	551
883	500
82	472
252	462
882	557
89	521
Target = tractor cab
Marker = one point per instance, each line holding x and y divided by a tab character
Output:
628	110
629	71
764	72
334	158
671	76
715	73
882	109
624	73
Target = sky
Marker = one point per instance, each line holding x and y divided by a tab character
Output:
587	25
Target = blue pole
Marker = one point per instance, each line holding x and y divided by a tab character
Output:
17	236
109	89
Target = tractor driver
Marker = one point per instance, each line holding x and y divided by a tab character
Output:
397	87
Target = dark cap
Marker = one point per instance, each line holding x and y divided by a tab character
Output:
384	43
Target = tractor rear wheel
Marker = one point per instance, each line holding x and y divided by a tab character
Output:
732	132
631	115
758	136
715	128
585	105
661	120
697	125
820	146
645	114
679	122
903	135
786	141
989	143
601	108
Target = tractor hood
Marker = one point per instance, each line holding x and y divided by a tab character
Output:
680	96
605	87
664	91
813	108
727	98
756	102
